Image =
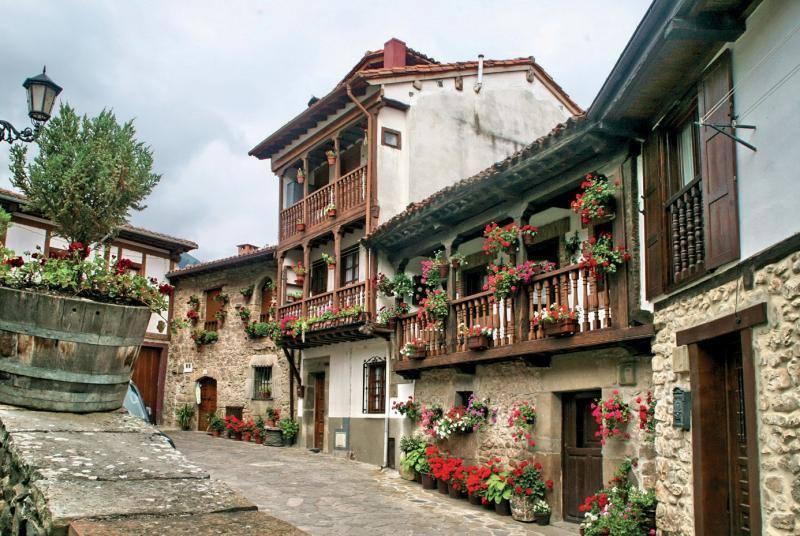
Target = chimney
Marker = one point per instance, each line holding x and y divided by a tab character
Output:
394	53
244	249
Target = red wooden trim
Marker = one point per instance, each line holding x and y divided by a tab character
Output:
746	318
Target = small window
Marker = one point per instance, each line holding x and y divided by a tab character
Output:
390	138
266	301
262	383
350	266
462	397
213	306
319	278
473	280
374	385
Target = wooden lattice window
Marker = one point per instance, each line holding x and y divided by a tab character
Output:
374	385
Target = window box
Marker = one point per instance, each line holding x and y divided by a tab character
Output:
478	342
562	328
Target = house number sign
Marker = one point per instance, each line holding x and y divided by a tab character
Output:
681	408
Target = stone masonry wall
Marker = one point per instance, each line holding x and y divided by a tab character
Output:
513	382
231	359
776	348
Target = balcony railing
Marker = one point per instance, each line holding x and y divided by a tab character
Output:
352	295
211	325
685	211
348	194
572	286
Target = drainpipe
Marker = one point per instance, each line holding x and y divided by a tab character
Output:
387	408
479	83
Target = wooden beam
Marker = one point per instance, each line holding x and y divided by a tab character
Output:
752	316
716	29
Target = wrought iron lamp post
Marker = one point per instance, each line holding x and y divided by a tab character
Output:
42	93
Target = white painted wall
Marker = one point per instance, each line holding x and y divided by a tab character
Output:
21	238
455	134
768	180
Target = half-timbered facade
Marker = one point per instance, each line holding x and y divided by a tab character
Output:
396	129
151	254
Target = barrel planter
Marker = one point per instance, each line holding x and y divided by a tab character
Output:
273	437
67	354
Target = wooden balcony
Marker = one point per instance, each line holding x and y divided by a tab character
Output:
348	194
516	335
331	332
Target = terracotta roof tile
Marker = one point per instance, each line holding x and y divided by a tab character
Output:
225	262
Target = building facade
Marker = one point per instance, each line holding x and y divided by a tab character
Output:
151	254
239	373
397	128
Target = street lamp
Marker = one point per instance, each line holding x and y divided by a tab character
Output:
42	93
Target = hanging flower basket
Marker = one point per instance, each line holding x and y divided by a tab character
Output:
444	270
299	280
301	227
478	342
301	177
331	156
562	328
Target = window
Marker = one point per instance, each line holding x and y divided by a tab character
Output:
374	385
262	383
682	144
213	306
473	280
462	398
319	278
545	250
390	138
294	193
266	301
350	265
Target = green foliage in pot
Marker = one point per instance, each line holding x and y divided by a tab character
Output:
215	422
415	458
184	414
289	428
258	330
5	221
402	284
89	173
202	337
498	488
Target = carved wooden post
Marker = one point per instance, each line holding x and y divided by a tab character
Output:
450	335
307	278
281	290
337	270
337	167
520	304
306	219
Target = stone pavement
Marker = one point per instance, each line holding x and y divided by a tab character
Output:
325	495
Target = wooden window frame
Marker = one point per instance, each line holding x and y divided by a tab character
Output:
318	267
374	386
354	253
260	382
386	130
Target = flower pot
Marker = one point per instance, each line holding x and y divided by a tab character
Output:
299	280
301	179
53	358
419	353
301	227
442	486
215	433
331	266
407	474
289	441
542	518
455	493
428	482
522	509
503	508
331	213
331	160
418	477
474	499
489	505
605	532
236	436
528	240
560	329
259	439
478	342
444	270
273	437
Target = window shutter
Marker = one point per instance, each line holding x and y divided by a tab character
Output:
654	227
718	157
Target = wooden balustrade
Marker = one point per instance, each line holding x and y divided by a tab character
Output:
352	295
348	194
686	230
411	326
293	309
481	310
318	304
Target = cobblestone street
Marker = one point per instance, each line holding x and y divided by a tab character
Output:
325	495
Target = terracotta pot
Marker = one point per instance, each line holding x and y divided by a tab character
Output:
442	485
301	227
474	499
301	179
560	329
455	493
428	482
331	160
215	433
332	266
444	270
528	240
503	508
299	280
418	477
332	213
478	342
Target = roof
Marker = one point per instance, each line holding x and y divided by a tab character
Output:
267	253
127	231
359	80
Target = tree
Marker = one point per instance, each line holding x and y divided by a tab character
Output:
88	175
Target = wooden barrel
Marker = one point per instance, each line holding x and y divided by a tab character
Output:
66	354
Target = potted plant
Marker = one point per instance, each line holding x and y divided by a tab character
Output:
457	260
442	264
499	491
264	392
294	296
220	316
259	430
434	307
528	234
412	449
193	316
184	415
388	315
402	285
500	239
244	314
247	291
202	337
234	427
595	203
301	176
601	257
299	273
522	419
477	336
329	260
409	408
457	485
331	156
384	285
330	210
428	480
289	430
558	320
247	430
215	424
476	483
612	417
541	512
414	349
528	488
300	226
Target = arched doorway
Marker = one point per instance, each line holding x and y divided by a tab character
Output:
208	402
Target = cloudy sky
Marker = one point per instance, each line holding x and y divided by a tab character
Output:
206	80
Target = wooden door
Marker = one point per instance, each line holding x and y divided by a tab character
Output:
208	402
145	376
319	410
582	456
738	474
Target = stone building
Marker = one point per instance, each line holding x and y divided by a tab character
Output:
152	254
237	374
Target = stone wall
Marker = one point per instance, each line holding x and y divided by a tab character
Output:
231	359
513	382
776	352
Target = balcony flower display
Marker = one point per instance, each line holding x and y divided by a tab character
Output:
409	408
522	419
399	284
558	320
294	295
612	417
647	415
331	156
457	260
300	225
330	210
431	277
478	337
601	257
504	280
293	326
330	260
442	264
414	349
299	272
595	202
389	315
505	239
384	285
301	176
435	307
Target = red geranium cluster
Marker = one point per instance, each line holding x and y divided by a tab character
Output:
122	266
521	419
287	325
476	478
444	467
612	417
14	262
234	424
504	238
527	480
594	502
593	201
192	315
166	289
78	249
600	255
647	413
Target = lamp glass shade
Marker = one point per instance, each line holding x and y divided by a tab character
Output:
42	93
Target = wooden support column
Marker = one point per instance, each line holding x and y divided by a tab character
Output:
306	219
281	290
307	278
337	269
521	298
372	274
451	325
337	167
617	284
